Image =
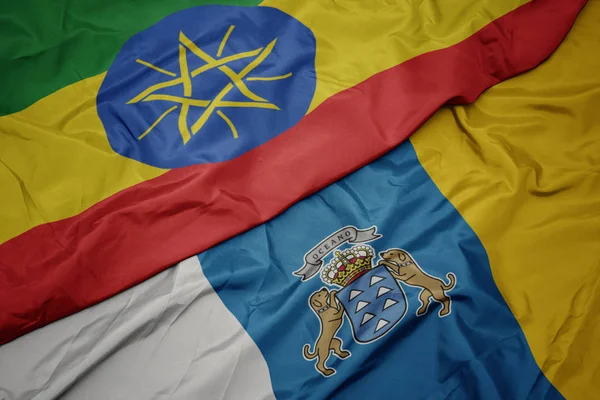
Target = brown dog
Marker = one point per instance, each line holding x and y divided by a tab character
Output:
331	315
404	268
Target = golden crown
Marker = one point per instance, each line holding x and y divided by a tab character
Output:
348	265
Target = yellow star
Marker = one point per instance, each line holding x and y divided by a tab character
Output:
185	78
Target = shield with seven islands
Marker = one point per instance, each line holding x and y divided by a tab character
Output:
374	304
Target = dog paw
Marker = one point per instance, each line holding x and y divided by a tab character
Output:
328	372
344	354
421	311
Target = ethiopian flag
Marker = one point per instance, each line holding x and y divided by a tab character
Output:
136	134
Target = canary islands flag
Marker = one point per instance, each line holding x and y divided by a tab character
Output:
134	135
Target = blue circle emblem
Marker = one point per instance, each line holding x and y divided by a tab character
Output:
208	84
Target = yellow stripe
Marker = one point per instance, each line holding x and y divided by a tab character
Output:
522	166
146	92
357	39
228	121
55	159
225	60
211	108
250	104
154	67
185	76
156	122
224	41
269	78
177	99
182	123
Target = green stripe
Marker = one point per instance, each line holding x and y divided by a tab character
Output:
48	44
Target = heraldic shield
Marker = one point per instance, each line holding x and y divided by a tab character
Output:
372	298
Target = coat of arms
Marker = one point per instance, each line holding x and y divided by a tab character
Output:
369	294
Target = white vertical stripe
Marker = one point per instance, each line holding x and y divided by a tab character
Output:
170	337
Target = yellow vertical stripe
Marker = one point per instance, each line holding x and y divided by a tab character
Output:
182	123
185	73
224	41
522	165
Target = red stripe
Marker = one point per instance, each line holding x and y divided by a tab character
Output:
57	269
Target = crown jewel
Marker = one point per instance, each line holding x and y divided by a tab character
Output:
348	265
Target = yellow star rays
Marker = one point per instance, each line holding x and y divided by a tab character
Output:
183	103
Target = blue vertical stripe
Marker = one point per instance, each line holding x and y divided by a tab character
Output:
478	351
